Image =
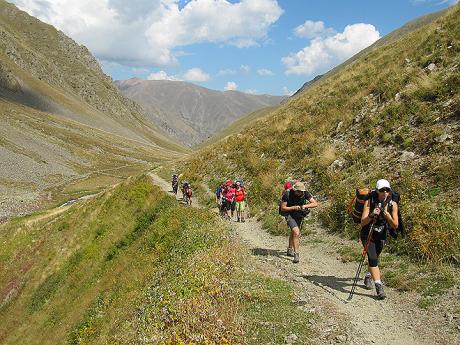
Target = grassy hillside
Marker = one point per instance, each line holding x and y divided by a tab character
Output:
393	113
133	266
58	75
237	126
66	130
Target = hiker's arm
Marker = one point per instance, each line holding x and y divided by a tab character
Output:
392	218
367	218
286	208
312	203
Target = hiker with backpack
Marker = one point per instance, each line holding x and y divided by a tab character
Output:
240	200
175	183
228	199
379	216
295	206
219	198
184	190
189	194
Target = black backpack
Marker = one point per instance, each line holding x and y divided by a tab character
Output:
304	212
395	197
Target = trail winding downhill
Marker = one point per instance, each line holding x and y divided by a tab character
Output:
323	283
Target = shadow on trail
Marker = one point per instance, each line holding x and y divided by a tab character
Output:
270	252
330	283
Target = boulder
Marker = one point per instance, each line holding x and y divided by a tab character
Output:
406	156
291	338
444	137
431	67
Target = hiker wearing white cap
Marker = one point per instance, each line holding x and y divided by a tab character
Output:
295	206
380	213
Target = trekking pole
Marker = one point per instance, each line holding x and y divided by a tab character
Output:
363	255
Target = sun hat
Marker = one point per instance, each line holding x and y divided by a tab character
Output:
287	185
382	184
299	186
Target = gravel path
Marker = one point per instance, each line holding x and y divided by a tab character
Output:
323	283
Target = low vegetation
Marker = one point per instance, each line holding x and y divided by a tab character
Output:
133	266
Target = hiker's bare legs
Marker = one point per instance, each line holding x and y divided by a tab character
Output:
375	273
291	240
295	233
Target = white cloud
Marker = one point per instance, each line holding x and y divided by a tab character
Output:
265	72
162	75
311	29
251	91
227	71
245	69
231	85
324	53
287	92
145	32
196	74
435	2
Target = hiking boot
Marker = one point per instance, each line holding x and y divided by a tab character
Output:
368	282
379	291
290	252
242	220
296	258
238	219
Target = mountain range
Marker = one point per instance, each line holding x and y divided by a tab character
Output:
188	112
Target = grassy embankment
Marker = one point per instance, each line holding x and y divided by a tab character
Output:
388	114
133	266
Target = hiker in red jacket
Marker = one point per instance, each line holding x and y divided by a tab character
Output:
240	198
228	197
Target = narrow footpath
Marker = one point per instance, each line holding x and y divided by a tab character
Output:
323	283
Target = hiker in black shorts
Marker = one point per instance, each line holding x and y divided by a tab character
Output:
381	212
295	206
175	183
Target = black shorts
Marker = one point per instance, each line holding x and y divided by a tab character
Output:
226	205
294	222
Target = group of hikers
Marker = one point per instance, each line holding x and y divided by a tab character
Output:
231	199
376	210
186	189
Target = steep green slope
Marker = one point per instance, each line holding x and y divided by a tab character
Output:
393	113
238	126
133	266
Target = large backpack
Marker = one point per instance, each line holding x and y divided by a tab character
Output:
356	206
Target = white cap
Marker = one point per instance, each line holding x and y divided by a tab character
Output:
382	184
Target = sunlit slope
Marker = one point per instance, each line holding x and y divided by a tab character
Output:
238	126
393	113
133	264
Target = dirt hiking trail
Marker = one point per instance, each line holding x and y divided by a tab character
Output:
323	283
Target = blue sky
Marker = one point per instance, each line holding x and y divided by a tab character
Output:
258	46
